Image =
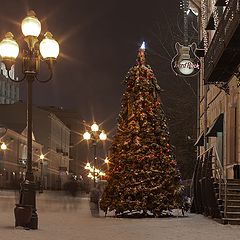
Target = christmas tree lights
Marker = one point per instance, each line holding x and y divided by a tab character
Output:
142	177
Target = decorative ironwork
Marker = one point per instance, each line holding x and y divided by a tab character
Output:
227	26
208	172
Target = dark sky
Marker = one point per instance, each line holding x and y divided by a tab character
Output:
98	44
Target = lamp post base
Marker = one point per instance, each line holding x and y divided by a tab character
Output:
25	212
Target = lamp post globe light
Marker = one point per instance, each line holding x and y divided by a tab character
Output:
47	51
95	135
3	146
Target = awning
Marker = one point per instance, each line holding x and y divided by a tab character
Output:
200	140
217	126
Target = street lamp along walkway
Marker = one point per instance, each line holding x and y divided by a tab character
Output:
94	134
41	157
48	50
3	146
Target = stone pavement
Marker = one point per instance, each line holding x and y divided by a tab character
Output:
64	218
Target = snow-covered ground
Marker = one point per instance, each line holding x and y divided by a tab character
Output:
62	218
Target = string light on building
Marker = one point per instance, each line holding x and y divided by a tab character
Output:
215	14
204	23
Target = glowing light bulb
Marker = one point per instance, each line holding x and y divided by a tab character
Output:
143	46
86	135
3	146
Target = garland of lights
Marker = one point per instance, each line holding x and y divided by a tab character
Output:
215	14
204	23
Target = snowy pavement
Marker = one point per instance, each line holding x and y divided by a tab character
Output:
62	218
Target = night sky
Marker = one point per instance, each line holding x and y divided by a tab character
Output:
98	44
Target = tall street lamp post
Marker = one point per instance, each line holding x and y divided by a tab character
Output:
95	134
3	148
47	51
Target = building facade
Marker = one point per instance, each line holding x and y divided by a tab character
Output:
9	90
50	132
57	153
78	150
13	159
218	92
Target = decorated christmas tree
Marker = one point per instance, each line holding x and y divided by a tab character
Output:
142	177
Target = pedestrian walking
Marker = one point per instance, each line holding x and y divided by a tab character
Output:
95	195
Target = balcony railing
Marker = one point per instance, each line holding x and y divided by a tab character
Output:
207	173
215	70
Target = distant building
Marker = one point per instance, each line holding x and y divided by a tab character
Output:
49	131
13	159
78	151
9	90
